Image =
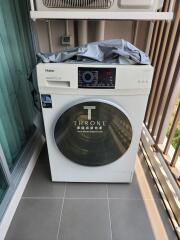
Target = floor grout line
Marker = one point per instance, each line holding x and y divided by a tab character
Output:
79	198
42	198
90	198
109	213
61	213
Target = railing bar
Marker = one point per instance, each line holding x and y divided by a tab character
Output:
154	39
175	84
158	43
152	55
160	68
171	6
172	131
161	54
167	88
149	37
157	73
160	34
176	155
152	52
163	65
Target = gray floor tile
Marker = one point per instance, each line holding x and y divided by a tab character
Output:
125	190
41	186
86	190
137	213
85	219
130	220
36	220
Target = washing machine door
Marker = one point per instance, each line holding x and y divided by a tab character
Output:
93	133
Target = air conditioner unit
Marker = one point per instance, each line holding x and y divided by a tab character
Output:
98	5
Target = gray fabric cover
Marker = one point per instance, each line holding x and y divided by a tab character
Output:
114	51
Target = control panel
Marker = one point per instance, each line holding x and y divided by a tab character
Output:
101	78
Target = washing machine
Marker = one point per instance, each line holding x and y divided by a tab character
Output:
93	115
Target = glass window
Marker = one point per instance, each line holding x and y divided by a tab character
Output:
93	133
16	102
3	185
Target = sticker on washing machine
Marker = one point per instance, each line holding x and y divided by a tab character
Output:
46	101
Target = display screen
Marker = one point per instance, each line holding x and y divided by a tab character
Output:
96	78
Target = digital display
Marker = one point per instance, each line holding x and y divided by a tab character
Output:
101	78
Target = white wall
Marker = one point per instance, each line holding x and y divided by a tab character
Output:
113	29
58	30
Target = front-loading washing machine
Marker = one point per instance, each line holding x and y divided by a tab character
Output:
93	117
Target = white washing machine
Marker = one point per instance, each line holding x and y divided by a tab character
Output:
93	116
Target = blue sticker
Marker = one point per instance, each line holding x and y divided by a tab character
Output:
46	101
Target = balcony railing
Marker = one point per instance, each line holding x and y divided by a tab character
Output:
166	88
161	135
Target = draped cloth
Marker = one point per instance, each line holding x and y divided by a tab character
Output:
114	51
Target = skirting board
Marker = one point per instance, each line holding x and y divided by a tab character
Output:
13	204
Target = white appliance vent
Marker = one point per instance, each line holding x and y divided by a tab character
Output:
101	4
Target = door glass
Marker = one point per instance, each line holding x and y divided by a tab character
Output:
93	133
3	185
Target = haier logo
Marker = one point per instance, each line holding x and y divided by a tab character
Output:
49	70
90	125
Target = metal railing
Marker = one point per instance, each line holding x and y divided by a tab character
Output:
163	101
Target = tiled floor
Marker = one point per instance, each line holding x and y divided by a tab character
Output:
58	211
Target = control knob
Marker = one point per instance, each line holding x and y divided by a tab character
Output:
87	77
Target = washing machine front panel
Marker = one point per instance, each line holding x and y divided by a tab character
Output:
93	133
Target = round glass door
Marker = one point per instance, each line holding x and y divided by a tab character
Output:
93	133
